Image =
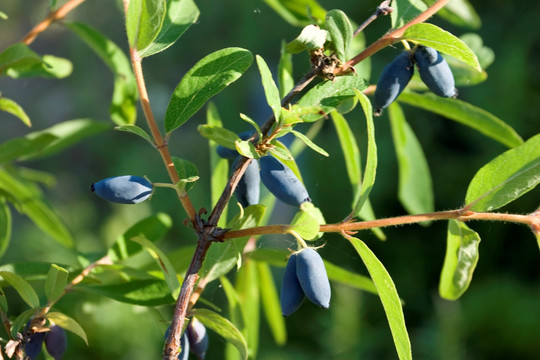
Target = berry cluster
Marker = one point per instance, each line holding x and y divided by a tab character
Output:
55	343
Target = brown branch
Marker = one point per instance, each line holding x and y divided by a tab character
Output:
383	9
52	17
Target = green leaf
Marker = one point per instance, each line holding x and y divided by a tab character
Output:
460	260
30	271
123	108
187	172
3	301
505	178
310	143
207	78
315	213
270	304
247	287
312	37
136	130
460	13
371	161
224	328
25	146
389	298
67	323
219	166
18	56
144	20
163	261
331	94
22	287
405	10
415	187
180	15
285	71
349	278
5	226
341	32
252	123
67	134
284	155
298	12
466	114
20	322
56	282
144	292
305	225
247	149
15	109
224	256
53	67
28	200
152	228
218	134
270	89
485	55
442	41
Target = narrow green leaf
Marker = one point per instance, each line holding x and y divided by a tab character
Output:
442	41
505	178
466	114
180	15
460	260
30	271
247	149
270	304
339	274
28	200
27	145
3	301
341	32
123	108
247	287
460	13
187	172
144	292
285	156
350	150
310	143
134	129
163	261
331	94
21	63
223	257
389	298
312	37
405	10
22	287
56	282
224	328
3	15
218	134
5	226
67	323
67	134
15	109
20	322
207	78
285	71
282	154
415	187
270	88
152	228
252	123
18	56
144	20
299	12
371	160
219	166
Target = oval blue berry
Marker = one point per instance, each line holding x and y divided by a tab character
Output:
198	338
292	295
312	276
435	71
393	80
248	189
281	181
56	342
227	153
127	189
34	343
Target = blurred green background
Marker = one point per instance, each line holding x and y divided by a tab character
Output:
497	318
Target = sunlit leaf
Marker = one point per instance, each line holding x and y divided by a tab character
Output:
247	287
144	292
22	287
67	323
505	178
187	172
144	19
298	12
270	88
460	260
312	37
341	32
15	109
270	304
405	10
56	282
134	129
285	71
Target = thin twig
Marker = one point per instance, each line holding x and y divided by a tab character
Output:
52	17
383	9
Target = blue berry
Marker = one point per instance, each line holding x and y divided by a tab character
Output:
281	181
292	295
198	338
312	276
435	71
248	189
393	80
56	342
127	189
33	346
